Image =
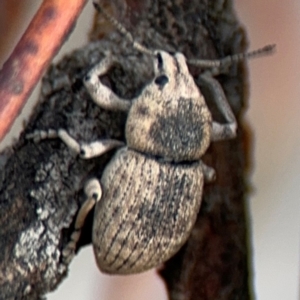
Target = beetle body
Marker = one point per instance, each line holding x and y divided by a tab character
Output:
152	188
147	210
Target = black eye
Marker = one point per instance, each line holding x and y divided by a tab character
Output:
160	61
161	80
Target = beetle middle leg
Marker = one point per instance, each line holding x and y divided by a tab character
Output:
85	150
93	194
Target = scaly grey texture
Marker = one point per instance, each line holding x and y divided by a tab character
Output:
146	213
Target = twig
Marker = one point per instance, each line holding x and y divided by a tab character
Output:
41	41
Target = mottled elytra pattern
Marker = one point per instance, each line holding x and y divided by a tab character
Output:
147	216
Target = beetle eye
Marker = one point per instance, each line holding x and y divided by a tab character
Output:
161	80
160	61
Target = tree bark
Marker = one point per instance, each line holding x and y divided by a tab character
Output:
41	184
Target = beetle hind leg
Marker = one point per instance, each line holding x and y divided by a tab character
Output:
93	194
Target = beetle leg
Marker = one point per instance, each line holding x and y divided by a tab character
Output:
97	148
208	172
101	94
62	134
85	151
220	131
93	194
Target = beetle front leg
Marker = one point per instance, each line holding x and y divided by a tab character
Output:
220	131
86	151
93	194
101	94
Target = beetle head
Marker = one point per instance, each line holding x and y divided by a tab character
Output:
172	75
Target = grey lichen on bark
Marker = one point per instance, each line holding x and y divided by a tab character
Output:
41	184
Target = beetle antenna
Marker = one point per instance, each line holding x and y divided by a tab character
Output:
231	59
123	30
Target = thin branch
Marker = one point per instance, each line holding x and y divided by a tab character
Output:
41	41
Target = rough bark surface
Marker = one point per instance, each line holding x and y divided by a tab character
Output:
41	184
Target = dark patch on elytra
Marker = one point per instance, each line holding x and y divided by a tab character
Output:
181	129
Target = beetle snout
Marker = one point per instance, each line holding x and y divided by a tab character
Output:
181	63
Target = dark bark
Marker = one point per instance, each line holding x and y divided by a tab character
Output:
41	184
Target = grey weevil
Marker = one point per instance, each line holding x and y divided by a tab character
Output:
151	190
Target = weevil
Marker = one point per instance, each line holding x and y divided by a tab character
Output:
149	195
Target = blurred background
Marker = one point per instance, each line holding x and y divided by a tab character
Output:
274	116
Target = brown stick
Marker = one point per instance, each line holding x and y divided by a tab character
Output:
41	41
